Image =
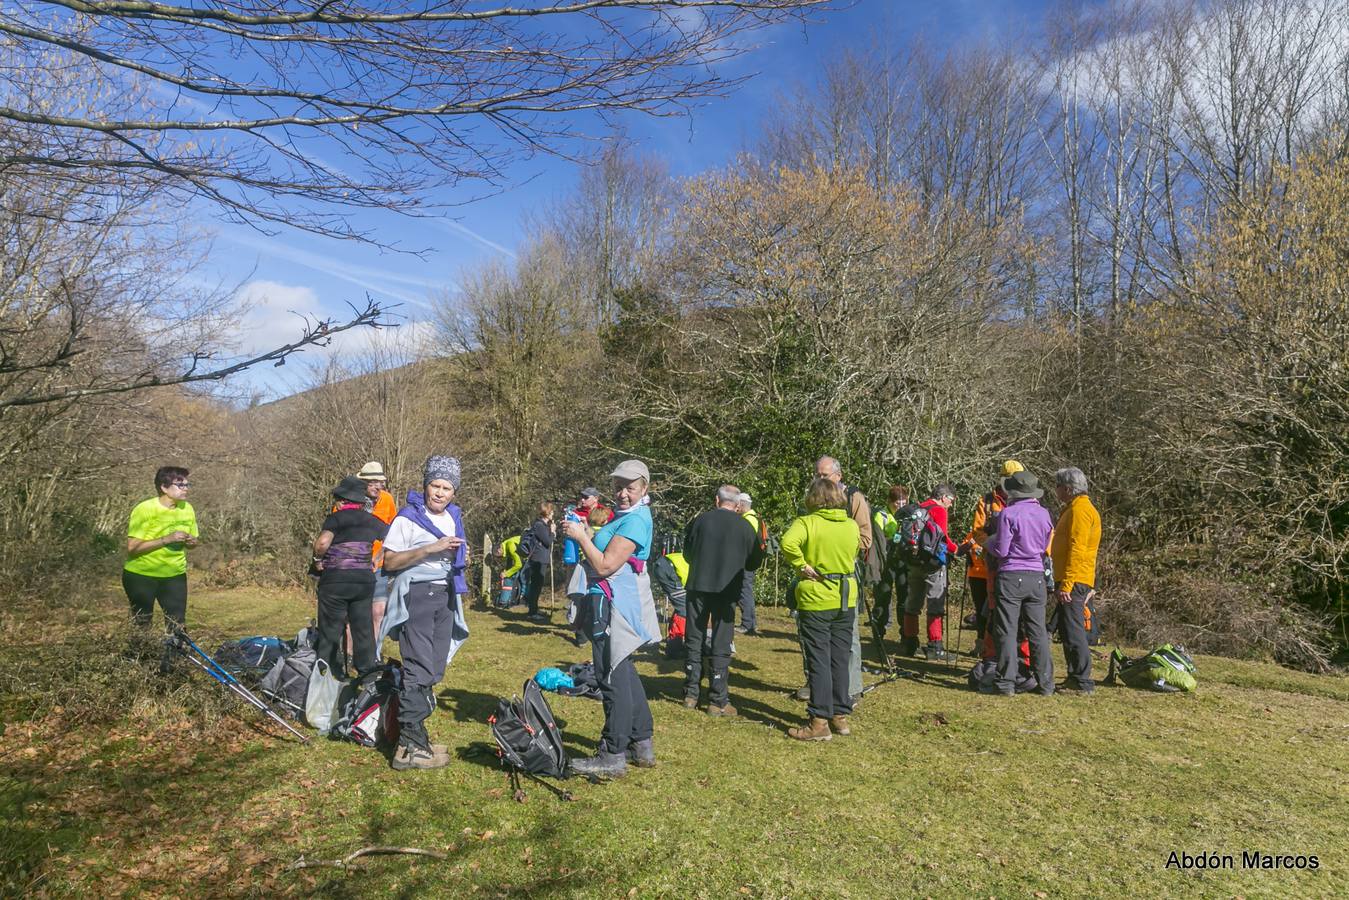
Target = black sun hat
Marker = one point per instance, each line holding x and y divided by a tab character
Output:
351	489
1022	485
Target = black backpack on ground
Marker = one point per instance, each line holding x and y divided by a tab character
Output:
369	716
287	684
528	739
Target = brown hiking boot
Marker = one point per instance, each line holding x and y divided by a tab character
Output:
817	730
717	712
840	726
690	702
417	758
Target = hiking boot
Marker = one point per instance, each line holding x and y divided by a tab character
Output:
538	617
1072	684
988	687
803	693
720	712
442	750
601	765
908	646
690	702
751	632
407	757
816	730
935	652
840	725
642	754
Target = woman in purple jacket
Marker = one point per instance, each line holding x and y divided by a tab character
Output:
1018	548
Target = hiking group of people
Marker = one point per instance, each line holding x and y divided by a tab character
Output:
388	571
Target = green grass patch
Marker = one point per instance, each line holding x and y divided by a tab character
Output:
939	792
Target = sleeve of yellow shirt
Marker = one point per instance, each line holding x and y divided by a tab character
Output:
791	543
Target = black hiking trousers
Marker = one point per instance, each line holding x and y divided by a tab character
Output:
714	612
1073	632
143	590
424	645
627	715
341	602
533	585
1021	605
826	639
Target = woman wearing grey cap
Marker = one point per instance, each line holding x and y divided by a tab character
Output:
424	556
622	618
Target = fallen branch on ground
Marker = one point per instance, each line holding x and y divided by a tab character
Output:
346	861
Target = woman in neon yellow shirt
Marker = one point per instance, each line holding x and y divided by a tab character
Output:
158	536
821	549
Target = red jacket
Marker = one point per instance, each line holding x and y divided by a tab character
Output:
938	514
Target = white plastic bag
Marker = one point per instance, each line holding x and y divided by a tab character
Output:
320	703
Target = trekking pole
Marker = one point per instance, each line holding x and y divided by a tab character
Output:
203	660
960	624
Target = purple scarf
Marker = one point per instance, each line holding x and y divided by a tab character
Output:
415	510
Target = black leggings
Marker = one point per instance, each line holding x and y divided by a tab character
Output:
144	590
341	602
533	585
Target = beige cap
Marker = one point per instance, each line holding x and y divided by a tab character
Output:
629	469
371	471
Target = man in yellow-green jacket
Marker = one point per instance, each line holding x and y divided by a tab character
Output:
1077	537
821	550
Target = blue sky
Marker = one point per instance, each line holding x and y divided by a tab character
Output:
297	272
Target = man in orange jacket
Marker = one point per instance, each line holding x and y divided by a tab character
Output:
1077	537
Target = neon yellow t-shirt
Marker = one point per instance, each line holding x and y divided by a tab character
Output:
151	520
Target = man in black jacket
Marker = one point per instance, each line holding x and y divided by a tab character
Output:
719	546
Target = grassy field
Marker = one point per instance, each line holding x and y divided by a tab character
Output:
939	792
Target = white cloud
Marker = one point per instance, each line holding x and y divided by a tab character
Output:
273	313
380	282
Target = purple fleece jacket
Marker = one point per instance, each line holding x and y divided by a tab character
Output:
1022	538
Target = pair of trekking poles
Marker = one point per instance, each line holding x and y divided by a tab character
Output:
178	640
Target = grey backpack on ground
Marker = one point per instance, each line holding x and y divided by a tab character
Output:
287	683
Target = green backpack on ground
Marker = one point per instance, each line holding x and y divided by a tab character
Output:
1167	669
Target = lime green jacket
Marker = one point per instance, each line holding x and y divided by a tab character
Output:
827	541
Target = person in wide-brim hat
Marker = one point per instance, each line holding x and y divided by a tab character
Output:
351	489
1022	486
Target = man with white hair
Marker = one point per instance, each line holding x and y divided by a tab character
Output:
721	549
1077	537
748	623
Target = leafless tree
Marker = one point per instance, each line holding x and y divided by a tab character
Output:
283	112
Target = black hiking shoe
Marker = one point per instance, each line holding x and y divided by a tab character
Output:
642	754
988	687
908	646
803	693
1072	684
935	652
601	765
